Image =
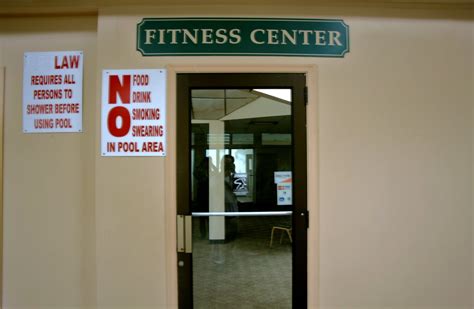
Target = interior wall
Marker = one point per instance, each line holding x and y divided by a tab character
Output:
394	154
395	149
130	203
49	238
393	128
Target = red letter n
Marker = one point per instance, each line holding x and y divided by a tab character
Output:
115	87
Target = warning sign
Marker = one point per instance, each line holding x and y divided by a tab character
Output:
133	113
52	92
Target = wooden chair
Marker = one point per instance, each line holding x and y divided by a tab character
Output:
283	230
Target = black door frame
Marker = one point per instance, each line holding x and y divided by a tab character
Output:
294	81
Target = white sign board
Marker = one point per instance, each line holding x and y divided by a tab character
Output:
52	92
133	113
283	181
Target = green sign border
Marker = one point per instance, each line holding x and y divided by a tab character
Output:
152	54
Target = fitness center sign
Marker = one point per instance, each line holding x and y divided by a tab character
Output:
242	37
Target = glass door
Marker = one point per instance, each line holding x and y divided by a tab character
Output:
242	189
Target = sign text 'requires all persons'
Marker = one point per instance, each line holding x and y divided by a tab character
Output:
52	92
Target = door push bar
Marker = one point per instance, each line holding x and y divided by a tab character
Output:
184	233
243	214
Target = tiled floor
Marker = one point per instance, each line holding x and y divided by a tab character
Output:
244	272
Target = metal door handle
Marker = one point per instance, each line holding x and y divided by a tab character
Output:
184	234
243	214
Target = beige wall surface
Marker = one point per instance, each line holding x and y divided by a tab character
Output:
395	148
49	238
392	137
394	120
130	202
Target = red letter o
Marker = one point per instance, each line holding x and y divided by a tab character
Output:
114	113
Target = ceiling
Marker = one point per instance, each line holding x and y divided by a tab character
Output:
214	104
229	104
41	7
242	110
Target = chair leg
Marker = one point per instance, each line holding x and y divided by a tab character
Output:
283	230
271	238
289	235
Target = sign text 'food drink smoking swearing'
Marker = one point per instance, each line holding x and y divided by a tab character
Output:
52	92
133	113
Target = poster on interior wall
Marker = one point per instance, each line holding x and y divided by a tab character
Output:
240	186
283	181
52	91
133	113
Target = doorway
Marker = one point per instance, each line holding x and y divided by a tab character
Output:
241	175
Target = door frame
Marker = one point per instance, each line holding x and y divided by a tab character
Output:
295	81
312	141
2	108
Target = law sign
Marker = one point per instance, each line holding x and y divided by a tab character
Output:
242	37
133	113
52	92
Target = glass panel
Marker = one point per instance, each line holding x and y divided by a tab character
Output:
241	261
242	139
276	139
